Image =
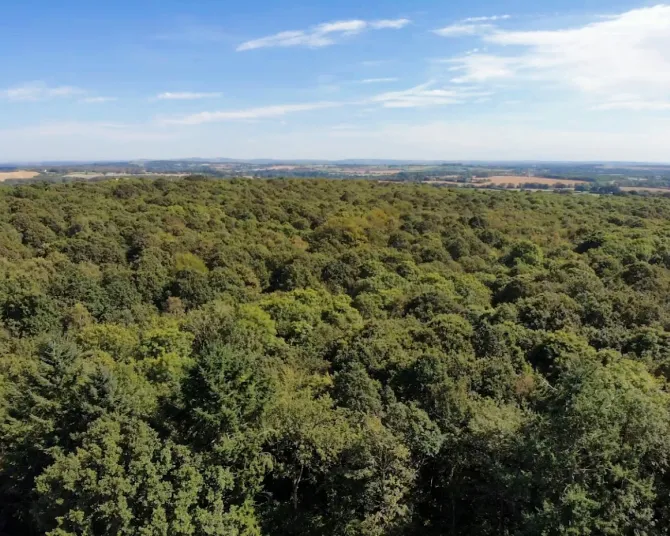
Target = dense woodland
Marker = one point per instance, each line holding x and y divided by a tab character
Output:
287	357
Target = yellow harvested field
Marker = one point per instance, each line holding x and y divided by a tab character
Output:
17	175
512	179
642	189
452	183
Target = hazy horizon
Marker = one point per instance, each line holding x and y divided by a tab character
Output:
368	161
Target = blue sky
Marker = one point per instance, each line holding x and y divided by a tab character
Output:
561	80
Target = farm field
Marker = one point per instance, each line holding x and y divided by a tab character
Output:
642	189
504	180
515	179
8	175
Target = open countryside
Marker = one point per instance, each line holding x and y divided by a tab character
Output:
519	180
596	178
17	175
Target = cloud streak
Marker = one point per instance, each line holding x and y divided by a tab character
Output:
492	18
425	95
471	26
99	100
460	30
389	24
187	95
420	96
322	35
37	91
262	112
378	80
479	68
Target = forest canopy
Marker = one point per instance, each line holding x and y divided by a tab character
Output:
312	357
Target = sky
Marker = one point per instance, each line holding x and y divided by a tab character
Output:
577	80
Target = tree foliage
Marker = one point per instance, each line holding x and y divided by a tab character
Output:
307	357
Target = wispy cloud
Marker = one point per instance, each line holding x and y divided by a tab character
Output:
36	91
263	112
344	26
393	24
425	95
460	30
625	54
492	18
470	26
187	95
322	35
40	91
96	100
477	68
377	80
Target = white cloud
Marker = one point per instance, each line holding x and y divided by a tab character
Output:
470	26
322	35
344	26
394	24
492	18
423	95
622	54
187	95
460	30
477	68
36	91
262	112
95	100
378	80
289	39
